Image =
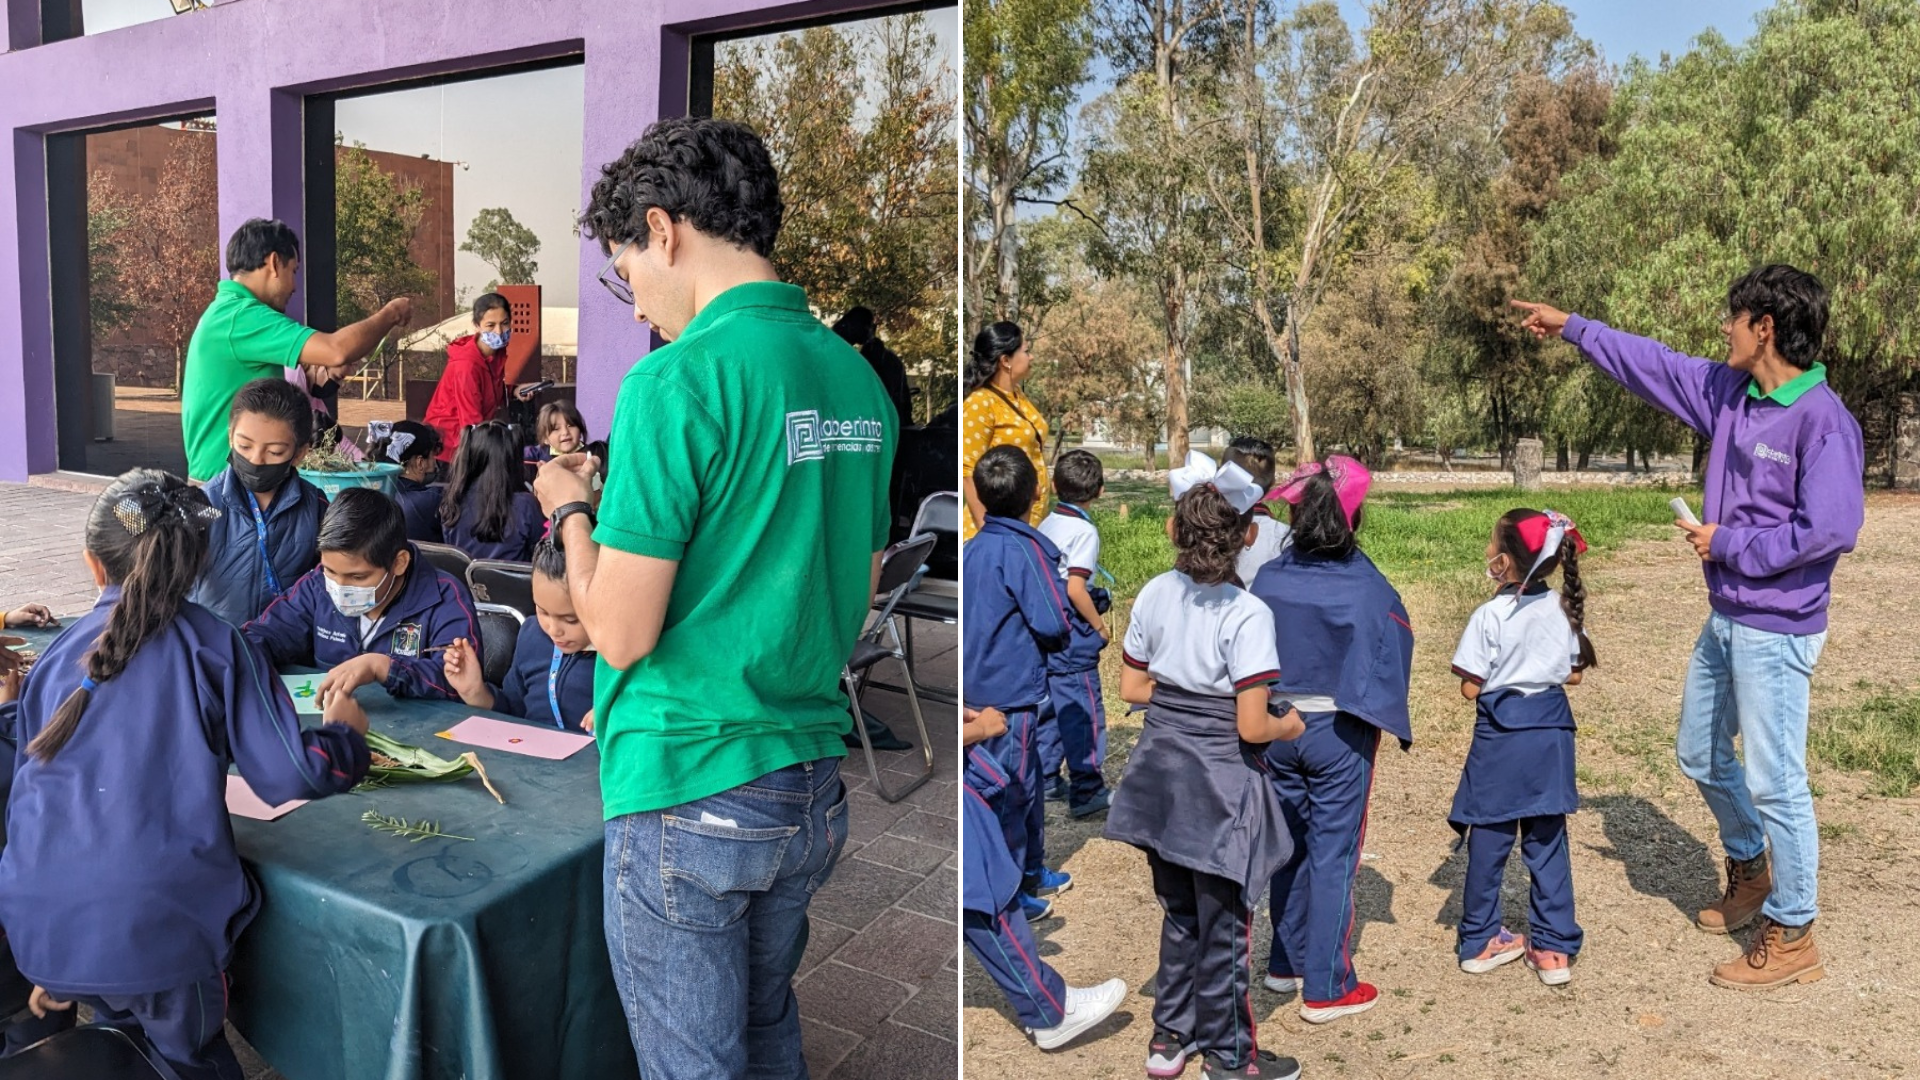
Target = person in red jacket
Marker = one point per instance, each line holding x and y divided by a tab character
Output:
474	386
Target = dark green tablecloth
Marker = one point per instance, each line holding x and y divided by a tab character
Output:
377	958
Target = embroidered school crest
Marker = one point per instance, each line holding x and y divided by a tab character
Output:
406	639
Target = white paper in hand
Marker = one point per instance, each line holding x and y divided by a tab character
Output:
1682	511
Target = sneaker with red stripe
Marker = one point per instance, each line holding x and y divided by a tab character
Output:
1360	1000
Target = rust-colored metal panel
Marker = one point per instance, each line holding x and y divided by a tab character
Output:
523	348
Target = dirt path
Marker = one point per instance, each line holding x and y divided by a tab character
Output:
1645	856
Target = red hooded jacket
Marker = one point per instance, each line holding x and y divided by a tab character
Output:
471	391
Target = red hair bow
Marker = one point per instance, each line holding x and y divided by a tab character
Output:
1534	532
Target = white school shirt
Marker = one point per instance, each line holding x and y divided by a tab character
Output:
1270	538
1078	541
1518	642
1206	639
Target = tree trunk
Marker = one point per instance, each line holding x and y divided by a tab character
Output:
179	371
1006	250
1629	459
1175	367
1586	458
1701	445
1560	456
1528	456
1303	448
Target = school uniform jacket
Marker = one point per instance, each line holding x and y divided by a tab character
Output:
235	586
525	694
120	876
525	526
1014	609
421	504
1073	532
1342	634
304	628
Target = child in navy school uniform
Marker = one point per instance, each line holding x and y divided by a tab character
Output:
374	611
415	447
1015	612
1073	724
1199	653
120	887
487	510
1050	1011
1270	535
558	430
1346	656
1519	650
551	681
264	538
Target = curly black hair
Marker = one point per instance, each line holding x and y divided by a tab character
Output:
714	174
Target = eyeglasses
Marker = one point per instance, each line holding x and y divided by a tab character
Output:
611	278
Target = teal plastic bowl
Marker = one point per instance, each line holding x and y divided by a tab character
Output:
378	476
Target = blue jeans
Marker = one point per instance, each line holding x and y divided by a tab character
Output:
706	920
1755	684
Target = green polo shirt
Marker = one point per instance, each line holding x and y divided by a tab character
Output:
1789	392
755	451
239	339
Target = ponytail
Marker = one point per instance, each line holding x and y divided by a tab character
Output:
149	531
1573	600
989	345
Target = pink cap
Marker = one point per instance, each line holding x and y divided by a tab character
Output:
1350	481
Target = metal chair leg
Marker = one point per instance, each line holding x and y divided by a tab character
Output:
855	686
905	647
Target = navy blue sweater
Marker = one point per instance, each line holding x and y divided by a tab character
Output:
120	875
235	585
421	503
304	628
525	693
1014	612
525	526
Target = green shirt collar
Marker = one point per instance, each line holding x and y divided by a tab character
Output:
1789	392
753	294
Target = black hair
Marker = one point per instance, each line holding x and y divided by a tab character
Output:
549	561
149	531
490	301
1208	536
1006	482
1573	592
276	399
1255	456
257	238
1319	521
855	327
487	466
1796	300
714	174
989	345
426	442
1078	476
552	413
363	522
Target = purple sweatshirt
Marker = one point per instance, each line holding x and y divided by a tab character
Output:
1784	477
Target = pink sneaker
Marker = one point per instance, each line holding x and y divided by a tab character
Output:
1502	948
1554	968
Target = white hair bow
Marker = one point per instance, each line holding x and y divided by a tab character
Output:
397	446
1230	480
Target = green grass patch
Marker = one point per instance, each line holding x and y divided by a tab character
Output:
1880	735
1414	537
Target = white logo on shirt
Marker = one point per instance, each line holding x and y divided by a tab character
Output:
1768	453
809	438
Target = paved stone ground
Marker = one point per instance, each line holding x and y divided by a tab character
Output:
878	986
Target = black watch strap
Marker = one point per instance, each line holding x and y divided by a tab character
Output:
563	513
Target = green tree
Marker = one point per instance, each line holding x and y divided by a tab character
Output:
375	215
110	303
504	244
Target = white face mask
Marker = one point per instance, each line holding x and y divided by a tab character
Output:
1495	575
354	601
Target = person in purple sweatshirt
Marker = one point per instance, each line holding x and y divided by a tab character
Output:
1784	500
120	886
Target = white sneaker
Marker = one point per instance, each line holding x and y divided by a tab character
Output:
1086	1006
1281	985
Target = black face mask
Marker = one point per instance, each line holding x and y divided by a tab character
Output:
259	479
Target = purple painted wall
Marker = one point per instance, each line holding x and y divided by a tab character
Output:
252	61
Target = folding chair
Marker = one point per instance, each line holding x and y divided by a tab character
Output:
499	631
88	1052
935	599
508	584
446	557
898	567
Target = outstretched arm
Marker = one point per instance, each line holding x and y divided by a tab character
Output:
1664	378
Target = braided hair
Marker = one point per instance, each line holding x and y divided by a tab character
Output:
1573	591
149	531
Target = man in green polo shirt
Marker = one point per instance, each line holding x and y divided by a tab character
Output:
245	335
731	570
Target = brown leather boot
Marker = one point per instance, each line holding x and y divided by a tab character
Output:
1776	956
1748	884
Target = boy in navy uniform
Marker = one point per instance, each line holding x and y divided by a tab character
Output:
374	611
1015	612
1073	725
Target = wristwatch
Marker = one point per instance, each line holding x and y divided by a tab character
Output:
563	513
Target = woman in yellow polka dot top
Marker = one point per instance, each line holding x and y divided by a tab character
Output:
995	413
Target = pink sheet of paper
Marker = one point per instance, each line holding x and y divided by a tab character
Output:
242	802
541	742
